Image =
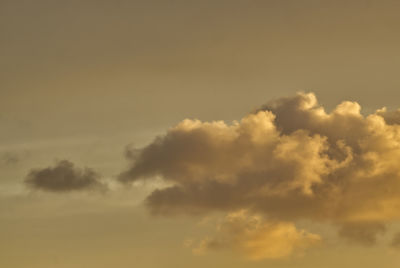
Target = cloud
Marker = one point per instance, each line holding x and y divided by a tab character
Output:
396	241
64	177
9	158
288	160
391	117
255	238
364	233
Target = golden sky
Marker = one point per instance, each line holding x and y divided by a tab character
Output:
199	134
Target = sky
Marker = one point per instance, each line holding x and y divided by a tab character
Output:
199	134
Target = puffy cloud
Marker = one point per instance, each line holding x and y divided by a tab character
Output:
289	160
257	239
64	177
391	118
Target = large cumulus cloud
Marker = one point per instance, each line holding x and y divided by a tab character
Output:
289	160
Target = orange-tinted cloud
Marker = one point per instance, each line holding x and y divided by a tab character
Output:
289	160
256	238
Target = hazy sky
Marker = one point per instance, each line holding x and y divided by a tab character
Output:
87	86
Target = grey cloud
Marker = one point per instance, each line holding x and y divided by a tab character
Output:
64	177
396	241
9	158
364	233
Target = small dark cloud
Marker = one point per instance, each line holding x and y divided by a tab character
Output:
363	233
131	152
396	241
9	158
64	177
